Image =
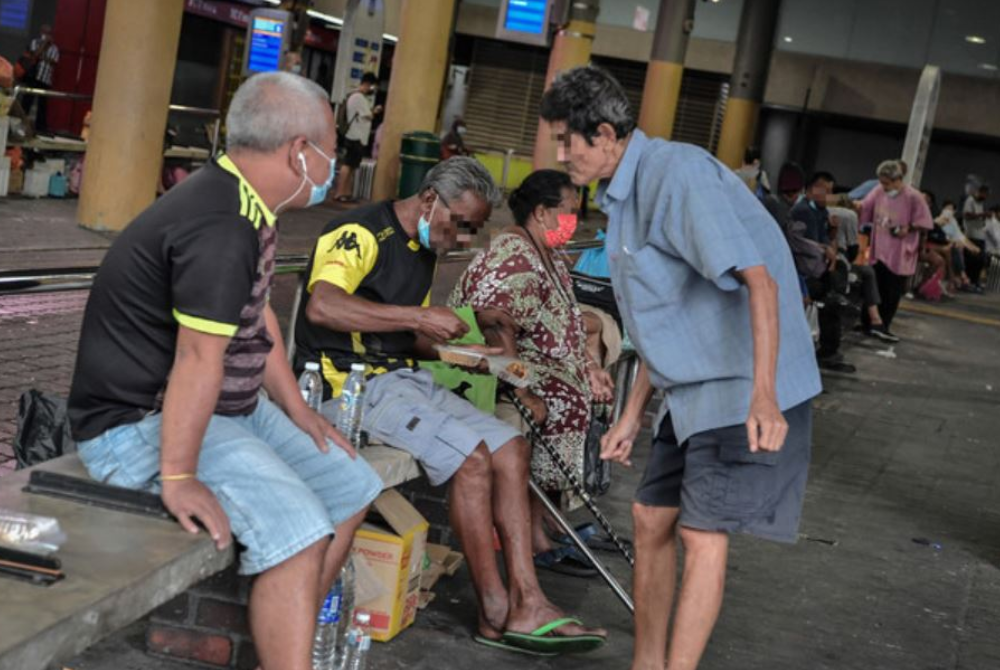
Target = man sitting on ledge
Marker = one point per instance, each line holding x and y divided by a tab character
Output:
369	283
177	342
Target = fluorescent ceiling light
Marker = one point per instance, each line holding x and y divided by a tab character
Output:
788	39
389	38
325	17
988	66
975	39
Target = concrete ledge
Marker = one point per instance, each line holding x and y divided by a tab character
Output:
118	568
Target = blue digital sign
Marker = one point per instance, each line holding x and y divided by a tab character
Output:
526	16
266	43
14	14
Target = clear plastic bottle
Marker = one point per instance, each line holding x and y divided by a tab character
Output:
358	642
351	405
347	590
324	653
311	385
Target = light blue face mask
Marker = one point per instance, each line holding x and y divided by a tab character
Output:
319	191
424	228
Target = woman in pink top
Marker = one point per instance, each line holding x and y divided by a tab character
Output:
898	216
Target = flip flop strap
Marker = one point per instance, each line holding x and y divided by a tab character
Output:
552	625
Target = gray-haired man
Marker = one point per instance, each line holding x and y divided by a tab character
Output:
177	342
369	285
708	292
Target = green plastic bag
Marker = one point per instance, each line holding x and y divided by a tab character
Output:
479	389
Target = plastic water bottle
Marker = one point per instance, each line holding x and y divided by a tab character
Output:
359	641
351	404
324	652
347	591
311	386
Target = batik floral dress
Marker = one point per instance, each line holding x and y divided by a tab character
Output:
510	277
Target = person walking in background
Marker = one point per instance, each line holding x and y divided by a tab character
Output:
355	123
45	55
897	214
974	217
707	288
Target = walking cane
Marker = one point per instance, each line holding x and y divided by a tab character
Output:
588	500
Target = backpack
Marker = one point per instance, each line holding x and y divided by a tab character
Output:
343	124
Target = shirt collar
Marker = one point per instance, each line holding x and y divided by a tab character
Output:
620	185
251	204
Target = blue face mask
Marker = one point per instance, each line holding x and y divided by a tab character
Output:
424	228
319	191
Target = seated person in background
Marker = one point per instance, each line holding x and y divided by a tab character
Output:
369	283
522	295
179	340
958	243
453	142
826	289
993	233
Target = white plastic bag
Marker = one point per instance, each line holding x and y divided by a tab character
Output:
30	532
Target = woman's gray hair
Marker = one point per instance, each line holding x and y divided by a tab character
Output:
890	169
455	176
272	108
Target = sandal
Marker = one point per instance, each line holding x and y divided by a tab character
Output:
545	640
566	561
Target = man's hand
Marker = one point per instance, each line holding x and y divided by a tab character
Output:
440	324
617	443
601	385
766	426
539	410
188	500
319	429
831	257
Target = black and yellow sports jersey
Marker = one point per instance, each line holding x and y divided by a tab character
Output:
202	256
367	253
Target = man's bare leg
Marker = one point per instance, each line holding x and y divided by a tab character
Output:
702	587
529	608
345	182
655	581
471	518
283	610
337	553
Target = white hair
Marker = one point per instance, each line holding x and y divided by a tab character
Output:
272	108
890	169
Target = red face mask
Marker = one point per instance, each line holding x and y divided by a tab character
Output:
563	234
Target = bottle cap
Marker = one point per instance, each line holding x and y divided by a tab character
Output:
357	367
312	366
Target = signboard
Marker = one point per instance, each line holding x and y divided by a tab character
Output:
360	48
14	14
524	21
918	133
267	40
228	12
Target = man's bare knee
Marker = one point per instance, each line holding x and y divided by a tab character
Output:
703	542
654	524
477	465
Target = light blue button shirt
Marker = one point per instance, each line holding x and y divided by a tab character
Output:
679	223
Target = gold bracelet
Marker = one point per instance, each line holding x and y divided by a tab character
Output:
177	478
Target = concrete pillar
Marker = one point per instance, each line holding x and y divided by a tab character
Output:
134	77
662	89
419	69
754	46
571	48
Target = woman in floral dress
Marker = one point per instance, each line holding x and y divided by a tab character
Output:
522	294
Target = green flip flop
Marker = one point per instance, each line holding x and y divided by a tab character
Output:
501	644
543	639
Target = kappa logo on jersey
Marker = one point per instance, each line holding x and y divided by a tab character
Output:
348	241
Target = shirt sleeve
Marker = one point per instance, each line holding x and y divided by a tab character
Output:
344	257
213	265
357	107
868	208
705	228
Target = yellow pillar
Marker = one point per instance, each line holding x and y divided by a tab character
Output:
754	46
419	70
134	77
571	48
662	89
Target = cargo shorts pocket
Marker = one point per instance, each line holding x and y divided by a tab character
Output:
745	483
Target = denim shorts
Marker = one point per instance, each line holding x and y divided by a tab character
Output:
407	410
280	492
720	485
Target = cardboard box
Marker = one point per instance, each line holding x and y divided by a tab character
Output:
392	543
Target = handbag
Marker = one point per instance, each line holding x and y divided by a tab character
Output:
596	472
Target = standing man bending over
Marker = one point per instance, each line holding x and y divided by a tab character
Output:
708	292
177	342
369	285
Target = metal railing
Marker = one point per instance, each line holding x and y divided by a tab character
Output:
179	109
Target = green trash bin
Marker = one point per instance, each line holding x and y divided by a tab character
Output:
420	151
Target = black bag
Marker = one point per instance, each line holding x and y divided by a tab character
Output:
42	429
596	472
596	292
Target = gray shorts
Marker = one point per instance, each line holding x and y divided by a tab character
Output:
720	485
405	409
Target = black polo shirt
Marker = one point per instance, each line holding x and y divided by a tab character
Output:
202	256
